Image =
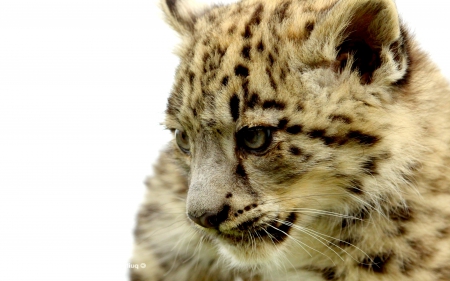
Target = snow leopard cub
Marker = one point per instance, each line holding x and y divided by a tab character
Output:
311	142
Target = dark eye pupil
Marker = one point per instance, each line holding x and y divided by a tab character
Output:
183	136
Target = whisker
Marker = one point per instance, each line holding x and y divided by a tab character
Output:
309	196
321	212
284	254
271	240
198	249
317	235
313	236
270	236
151	233
169	196
176	255
368	205
350	244
187	247
300	243
168	213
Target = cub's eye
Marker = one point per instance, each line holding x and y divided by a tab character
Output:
182	141
255	139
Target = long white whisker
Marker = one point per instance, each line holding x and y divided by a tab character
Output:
299	228
198	249
271	236
281	199
175	259
350	244
366	204
151	233
300	243
187	248
321	212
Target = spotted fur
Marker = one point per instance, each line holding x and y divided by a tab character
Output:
353	180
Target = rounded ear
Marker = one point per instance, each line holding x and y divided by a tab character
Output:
182	14
375	21
359	30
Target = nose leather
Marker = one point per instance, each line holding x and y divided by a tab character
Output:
207	220
211	219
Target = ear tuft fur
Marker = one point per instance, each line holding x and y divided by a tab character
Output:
182	14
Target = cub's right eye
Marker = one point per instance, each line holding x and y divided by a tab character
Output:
182	141
255	140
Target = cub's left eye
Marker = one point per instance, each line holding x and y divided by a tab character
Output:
182	141
255	139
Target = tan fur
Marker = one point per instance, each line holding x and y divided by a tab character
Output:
354	185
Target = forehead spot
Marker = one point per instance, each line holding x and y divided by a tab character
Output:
254	100
234	107
362	138
225	81
273	104
241	70
246	52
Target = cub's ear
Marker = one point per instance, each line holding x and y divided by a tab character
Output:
366	37
182	14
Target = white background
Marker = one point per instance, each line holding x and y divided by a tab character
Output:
83	87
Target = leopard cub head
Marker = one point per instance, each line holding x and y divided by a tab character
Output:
280	107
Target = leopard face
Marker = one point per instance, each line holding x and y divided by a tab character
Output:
283	115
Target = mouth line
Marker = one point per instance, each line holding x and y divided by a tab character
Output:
272	231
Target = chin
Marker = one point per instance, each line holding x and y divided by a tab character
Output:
258	254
